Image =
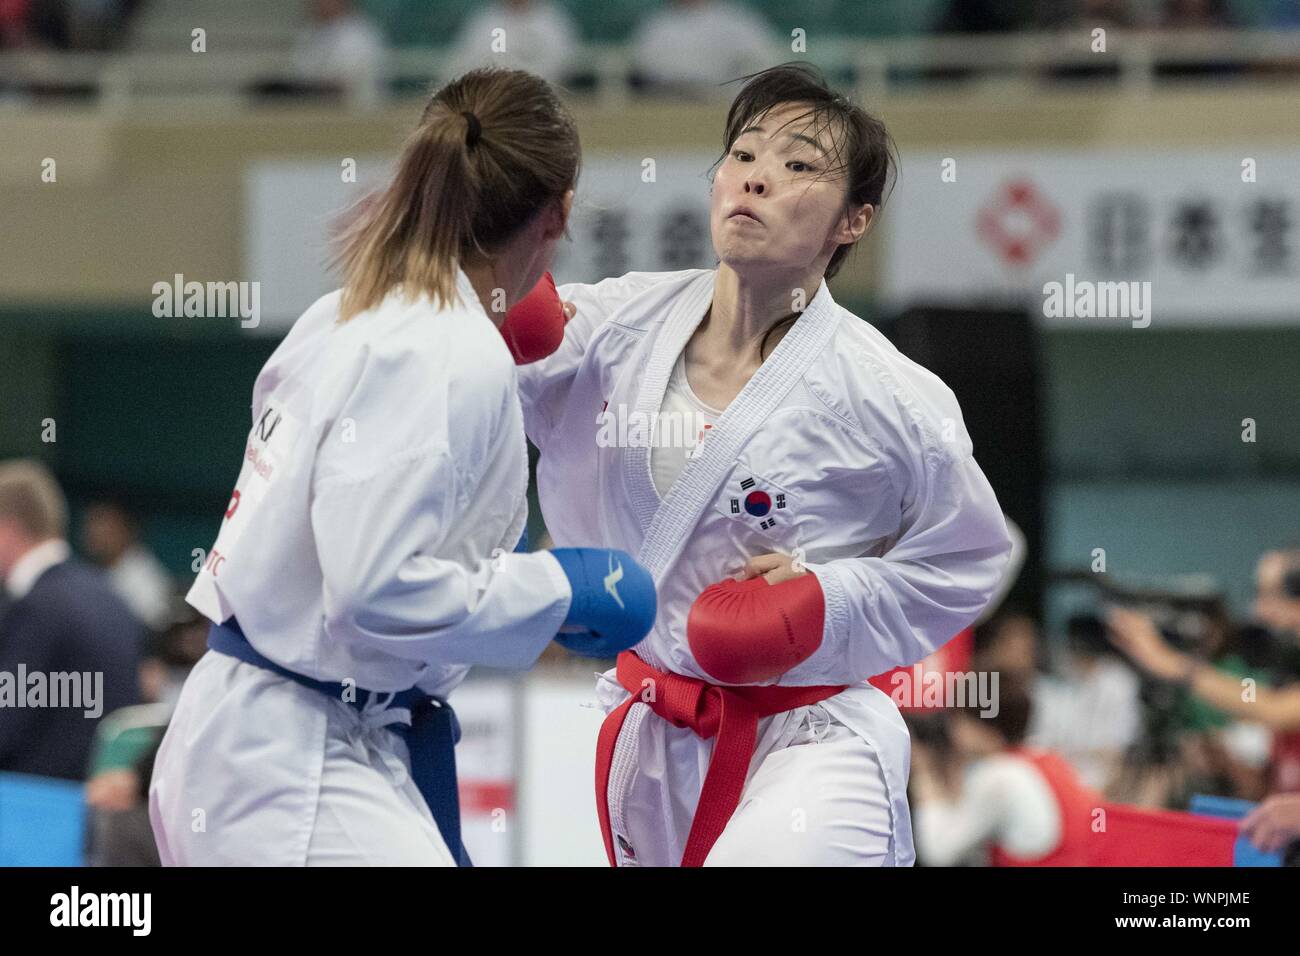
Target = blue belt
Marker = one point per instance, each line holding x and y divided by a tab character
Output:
431	736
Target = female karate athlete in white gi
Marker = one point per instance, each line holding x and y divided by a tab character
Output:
835	472
365	559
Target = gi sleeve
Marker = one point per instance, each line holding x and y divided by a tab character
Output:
387	513
378	536
941	570
544	386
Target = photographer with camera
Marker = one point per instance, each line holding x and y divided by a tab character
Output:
1277	608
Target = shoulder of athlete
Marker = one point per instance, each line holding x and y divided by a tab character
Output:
414	375
632	300
866	380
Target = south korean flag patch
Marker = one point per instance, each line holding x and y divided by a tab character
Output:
763	505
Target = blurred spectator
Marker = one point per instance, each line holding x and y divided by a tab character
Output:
47	24
1226	755
173	653
691	45
63	24
1005	803
535	35
126	744
64	628
117	790
111	538
1008	644
974	17
986	16
1086	14
1196	15
99	24
1277	607
1277	593
343	52
15	24
1092	711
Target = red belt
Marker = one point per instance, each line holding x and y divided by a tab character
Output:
730	712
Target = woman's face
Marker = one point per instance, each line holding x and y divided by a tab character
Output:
773	202
532	251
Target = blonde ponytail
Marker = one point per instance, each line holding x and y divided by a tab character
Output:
492	149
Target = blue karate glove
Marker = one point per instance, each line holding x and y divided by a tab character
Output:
614	601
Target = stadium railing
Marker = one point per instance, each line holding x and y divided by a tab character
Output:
1135	60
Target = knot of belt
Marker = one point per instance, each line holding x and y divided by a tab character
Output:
729	713
683	701
427	723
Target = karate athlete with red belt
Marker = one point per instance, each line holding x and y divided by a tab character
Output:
837	473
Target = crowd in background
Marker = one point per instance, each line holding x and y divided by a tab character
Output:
1145	707
109	613
678	46
65	24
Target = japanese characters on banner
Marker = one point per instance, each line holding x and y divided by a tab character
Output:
1096	237
1215	234
639	214
631	212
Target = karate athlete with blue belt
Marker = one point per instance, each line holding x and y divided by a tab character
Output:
366	559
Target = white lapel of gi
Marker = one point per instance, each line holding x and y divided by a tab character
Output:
670	523
676	331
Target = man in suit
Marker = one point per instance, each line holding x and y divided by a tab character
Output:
69	648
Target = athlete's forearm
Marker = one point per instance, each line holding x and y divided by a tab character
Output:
1277	709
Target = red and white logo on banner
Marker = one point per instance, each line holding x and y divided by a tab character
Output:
1019	223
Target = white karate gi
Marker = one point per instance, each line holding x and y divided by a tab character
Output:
867	471
369	539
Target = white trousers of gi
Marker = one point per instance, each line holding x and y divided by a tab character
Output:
819	801
256	770
817	792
